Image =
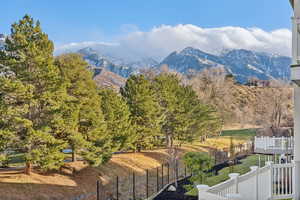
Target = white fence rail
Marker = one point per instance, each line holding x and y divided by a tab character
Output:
274	143
274	181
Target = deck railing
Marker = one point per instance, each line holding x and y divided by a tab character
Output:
274	181
282	181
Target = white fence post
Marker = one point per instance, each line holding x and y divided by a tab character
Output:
235	177
294	180
255	169
265	142
270	164
201	190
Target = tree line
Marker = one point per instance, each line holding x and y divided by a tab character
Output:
49	104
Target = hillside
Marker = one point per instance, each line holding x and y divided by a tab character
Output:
109	79
260	105
231	99
14	185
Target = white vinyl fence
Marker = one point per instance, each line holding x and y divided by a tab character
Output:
274	181
274	143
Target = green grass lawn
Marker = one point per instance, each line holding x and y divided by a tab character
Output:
16	159
242	133
242	168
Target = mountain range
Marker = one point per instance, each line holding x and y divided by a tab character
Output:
242	64
115	64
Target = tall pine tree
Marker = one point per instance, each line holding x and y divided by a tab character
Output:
186	118
168	88
117	116
33	86
83	120
146	113
195	118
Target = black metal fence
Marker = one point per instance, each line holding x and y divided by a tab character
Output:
144	184
141	185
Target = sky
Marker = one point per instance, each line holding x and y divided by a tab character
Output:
133	21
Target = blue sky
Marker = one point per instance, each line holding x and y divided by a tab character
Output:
98	20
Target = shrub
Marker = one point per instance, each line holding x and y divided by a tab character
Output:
197	163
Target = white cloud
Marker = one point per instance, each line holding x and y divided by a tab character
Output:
162	40
75	46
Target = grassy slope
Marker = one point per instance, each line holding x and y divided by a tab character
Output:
16	185
242	168
242	133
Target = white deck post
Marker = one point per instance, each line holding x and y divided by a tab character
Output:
270	164
201	189
297	142
235	177
295	77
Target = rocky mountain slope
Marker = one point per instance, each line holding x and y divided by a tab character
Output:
117	65
109	79
243	64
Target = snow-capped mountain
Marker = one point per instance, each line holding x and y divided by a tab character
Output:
243	64
117	65
99	62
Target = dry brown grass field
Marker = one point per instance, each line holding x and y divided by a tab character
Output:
14	185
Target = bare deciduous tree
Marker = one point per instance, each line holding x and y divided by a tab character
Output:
266	104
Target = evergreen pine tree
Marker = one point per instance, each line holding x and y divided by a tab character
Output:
117	116
85	128
31	94
145	110
195	118
186	118
9	107
168	87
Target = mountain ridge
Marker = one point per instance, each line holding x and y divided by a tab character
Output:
242	64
